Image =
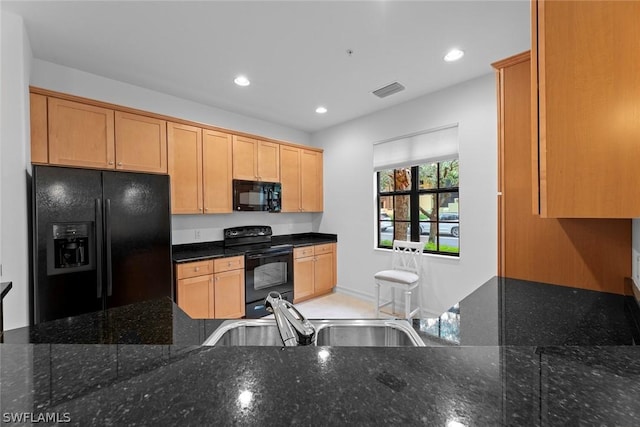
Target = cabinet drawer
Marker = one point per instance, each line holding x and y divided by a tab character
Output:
302	252
226	264
193	269
323	249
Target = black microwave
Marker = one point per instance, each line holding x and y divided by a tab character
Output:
257	196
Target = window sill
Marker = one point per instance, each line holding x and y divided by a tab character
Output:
447	257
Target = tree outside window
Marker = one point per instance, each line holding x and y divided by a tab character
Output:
420	203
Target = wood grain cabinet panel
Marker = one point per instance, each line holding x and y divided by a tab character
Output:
212	288
311	181
586	108
195	296
217	171
581	253
185	168
301	178
80	135
303	273
290	178
314	271
141	143
229	294
255	160
39	144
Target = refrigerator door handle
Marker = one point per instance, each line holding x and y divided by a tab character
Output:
99	247
107	234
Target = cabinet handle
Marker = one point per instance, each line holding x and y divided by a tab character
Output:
206	209
111	162
229	264
197	269
119	163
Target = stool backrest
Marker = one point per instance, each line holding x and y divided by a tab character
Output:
406	256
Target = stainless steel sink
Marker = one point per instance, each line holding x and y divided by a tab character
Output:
333	332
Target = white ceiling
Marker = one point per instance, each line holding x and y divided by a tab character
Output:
294	52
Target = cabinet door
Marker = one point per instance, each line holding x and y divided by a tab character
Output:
229	294
217	171
311	181
39	146
303	278
324	273
245	158
195	296
185	168
290	178
268	161
588	108
141	143
80	135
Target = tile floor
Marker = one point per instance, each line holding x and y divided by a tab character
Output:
337	306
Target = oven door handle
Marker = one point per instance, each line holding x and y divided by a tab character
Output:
258	256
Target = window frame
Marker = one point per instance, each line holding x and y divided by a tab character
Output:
414	194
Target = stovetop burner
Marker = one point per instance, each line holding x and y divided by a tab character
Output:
252	239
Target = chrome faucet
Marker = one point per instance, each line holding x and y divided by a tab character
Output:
294	328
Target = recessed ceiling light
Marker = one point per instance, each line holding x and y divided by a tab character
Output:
453	55
321	110
242	81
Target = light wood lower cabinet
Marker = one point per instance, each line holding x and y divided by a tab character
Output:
314	271
212	288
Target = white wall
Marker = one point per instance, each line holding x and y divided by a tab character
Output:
349	190
14	162
68	80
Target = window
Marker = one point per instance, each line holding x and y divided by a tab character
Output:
420	203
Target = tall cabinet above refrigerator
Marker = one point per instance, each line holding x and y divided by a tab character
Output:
102	239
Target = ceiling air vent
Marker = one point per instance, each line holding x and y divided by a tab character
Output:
390	89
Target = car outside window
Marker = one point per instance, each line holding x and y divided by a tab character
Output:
420	203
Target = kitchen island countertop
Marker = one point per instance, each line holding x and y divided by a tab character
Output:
144	365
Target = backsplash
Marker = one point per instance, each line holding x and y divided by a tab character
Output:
207	228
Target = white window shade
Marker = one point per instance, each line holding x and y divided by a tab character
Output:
424	147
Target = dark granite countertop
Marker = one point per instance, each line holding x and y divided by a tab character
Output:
511	353
209	250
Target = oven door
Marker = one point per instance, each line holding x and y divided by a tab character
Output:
267	272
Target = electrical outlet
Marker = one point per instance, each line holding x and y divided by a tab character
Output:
638	268
197	235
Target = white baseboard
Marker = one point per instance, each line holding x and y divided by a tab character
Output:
424	313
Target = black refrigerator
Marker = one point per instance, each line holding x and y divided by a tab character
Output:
102	239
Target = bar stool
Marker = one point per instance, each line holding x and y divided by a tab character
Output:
404	275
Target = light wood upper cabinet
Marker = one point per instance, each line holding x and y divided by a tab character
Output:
217	171
255	160
39	145
185	168
80	135
586	108
301	178
581	253
141	143
290	178
311	181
